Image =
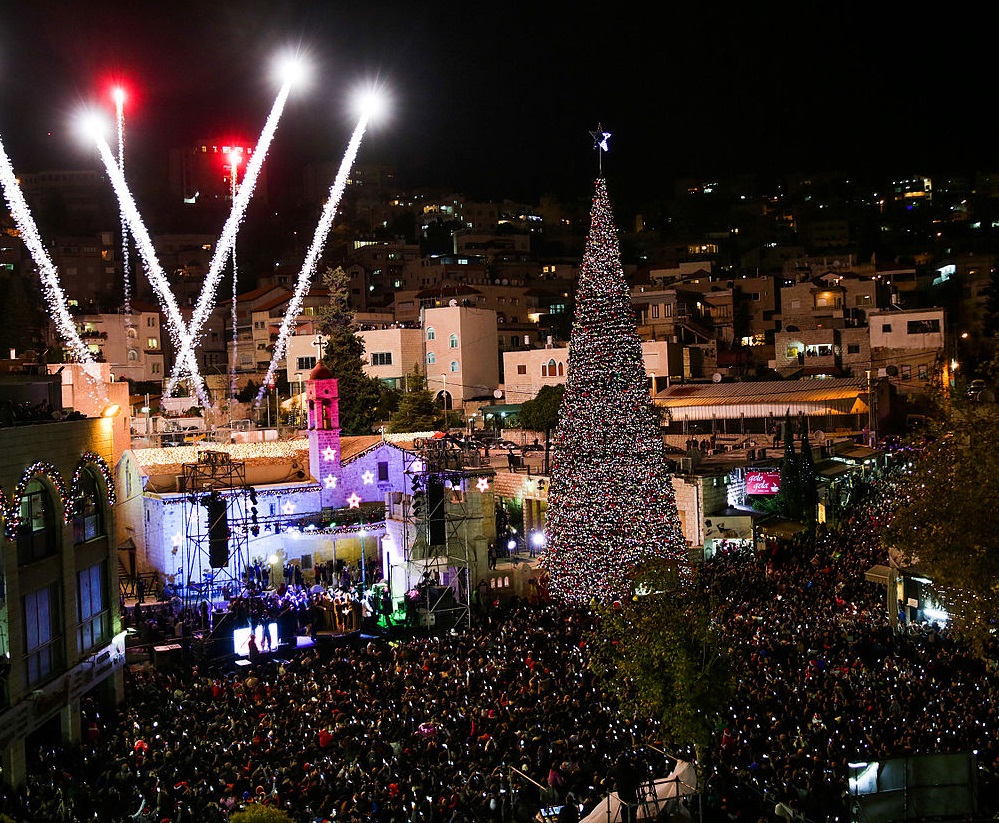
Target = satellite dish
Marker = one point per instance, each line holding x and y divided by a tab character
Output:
716	377
498	394
453	303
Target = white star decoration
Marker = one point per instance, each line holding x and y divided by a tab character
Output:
287	507
482	484
368	477
329	481
354	501
329	454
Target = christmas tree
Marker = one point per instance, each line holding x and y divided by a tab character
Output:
611	505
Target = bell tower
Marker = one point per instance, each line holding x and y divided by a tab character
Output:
324	434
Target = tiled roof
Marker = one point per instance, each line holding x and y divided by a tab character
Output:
772	391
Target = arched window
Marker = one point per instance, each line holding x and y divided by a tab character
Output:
132	333
561	369
431	358
36	532
133	355
544	369
431	334
88	508
452	341
454	365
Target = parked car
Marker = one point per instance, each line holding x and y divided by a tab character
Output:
975	388
508	445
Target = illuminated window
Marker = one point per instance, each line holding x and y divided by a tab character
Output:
93	611
88	508
36	533
42	640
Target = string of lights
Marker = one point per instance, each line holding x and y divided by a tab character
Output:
611	504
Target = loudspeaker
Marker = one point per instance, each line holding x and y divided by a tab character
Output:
218	532
436	531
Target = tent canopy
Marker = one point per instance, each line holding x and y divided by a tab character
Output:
681	782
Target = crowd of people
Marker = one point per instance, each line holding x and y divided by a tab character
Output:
492	723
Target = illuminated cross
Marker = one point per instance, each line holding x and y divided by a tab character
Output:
318	343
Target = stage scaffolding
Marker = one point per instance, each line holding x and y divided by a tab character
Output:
215	474
441	546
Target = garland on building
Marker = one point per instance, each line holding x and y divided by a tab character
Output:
611	504
99	463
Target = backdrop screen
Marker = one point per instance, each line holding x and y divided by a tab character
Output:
241	639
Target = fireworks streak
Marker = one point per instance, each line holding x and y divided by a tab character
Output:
312	257
54	295
175	322
119	103
185	336
206	300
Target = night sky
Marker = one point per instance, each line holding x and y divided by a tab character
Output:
498	99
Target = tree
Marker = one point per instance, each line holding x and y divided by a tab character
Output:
664	657
940	521
540	414
344	355
789	501
257	813
806	479
611	505
417	411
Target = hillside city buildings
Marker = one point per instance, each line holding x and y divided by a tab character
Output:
838	305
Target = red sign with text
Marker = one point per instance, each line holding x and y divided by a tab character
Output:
762	482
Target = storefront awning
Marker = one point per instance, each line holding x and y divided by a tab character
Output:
878	574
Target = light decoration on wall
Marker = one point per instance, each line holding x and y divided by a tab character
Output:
354	501
482	484
93	459
329	454
330	481
287	507
368	477
50	473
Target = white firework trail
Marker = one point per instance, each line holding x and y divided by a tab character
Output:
206	300
119	101
312	257
175	322
54	295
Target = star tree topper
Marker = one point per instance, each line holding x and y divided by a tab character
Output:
600	138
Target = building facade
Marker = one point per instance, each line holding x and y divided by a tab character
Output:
61	638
